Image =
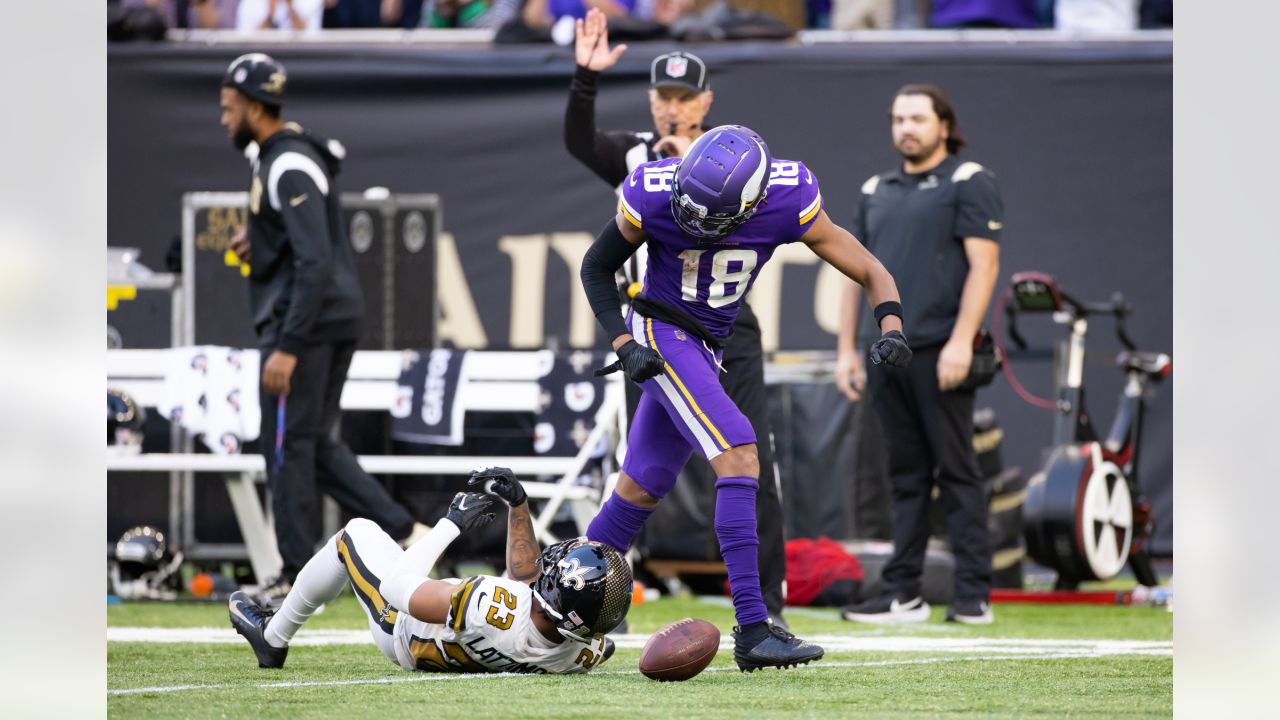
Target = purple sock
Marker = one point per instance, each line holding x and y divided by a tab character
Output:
618	522
739	545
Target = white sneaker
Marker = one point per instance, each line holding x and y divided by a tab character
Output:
971	613
886	609
419	531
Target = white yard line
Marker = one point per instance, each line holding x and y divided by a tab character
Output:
429	677
833	643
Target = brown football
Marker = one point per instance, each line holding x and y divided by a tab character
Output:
680	650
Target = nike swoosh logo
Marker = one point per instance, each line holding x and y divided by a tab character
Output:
462	504
994	224
808	176
632	180
296	201
480	597
236	609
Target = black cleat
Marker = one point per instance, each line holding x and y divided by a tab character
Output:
778	648
250	620
609	647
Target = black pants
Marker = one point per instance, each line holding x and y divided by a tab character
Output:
929	434
315	458
743	381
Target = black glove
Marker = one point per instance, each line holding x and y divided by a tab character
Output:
637	361
499	481
891	348
468	510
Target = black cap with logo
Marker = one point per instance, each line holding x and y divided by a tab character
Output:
258	76
678	69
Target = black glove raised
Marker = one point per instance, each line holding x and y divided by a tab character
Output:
501	482
638	362
891	348
470	510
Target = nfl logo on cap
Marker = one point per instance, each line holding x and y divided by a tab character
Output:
678	69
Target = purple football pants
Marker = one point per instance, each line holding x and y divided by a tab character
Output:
681	410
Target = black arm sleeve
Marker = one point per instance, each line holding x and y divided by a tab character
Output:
605	153
302	206
603	258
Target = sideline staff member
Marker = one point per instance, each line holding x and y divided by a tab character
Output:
679	98
307	310
935	224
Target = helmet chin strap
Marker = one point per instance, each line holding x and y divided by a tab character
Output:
546	606
559	619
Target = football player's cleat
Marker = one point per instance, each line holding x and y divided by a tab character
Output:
778	648
250	620
609	647
585	587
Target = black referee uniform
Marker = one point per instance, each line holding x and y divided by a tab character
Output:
915	225
612	155
306	301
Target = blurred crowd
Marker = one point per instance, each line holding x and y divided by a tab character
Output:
641	19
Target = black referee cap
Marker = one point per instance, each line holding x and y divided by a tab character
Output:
678	69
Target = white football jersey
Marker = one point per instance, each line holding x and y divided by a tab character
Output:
489	629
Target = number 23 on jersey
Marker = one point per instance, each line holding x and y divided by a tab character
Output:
502	611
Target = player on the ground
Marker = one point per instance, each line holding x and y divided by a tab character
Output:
711	220
549	616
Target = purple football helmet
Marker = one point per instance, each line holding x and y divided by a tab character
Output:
720	183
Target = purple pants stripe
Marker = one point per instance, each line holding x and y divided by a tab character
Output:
684	395
689	391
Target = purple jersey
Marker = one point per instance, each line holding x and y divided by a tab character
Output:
709	279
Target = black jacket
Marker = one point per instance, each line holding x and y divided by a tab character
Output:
612	154
302	284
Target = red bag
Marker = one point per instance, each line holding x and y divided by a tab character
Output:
812	565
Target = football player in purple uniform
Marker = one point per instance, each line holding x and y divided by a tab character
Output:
711	221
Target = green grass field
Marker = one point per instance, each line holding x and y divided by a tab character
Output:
1035	660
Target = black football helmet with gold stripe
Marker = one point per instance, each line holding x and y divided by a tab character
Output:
585	587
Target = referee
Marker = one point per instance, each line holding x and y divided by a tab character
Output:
307	311
679	98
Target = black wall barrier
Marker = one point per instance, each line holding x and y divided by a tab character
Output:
1079	135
